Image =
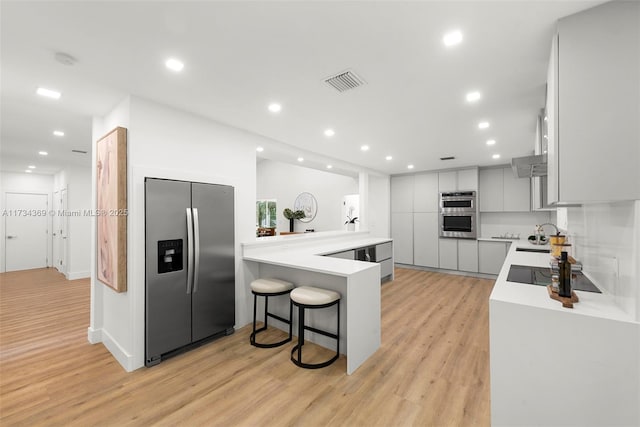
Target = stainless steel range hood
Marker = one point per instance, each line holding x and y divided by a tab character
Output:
529	166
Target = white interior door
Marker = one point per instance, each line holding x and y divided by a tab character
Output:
56	234
26	231
64	227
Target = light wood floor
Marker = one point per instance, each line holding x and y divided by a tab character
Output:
432	368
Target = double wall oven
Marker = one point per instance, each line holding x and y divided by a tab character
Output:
458	214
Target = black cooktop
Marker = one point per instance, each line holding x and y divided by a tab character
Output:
542	276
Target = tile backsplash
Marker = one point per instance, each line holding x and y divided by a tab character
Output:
606	238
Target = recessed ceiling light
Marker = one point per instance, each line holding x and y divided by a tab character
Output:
259	149
364	148
49	93
491	142
27	170
174	64
43	153
545	136
301	159
473	96
58	133
329	167
452	38
329	133
275	107
496	156
389	158
31	167
483	125
410	167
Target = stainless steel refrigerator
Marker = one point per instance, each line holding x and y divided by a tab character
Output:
190	265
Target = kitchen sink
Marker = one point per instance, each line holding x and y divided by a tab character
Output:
542	251
541	276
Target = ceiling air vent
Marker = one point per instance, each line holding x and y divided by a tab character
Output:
447	158
344	81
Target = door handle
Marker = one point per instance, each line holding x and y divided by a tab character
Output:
12	237
189	251
196	249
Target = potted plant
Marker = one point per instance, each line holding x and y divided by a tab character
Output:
291	215
351	223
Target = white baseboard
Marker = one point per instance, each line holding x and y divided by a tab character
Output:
78	275
123	357
94	336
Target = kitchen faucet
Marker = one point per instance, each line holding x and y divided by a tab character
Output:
548	223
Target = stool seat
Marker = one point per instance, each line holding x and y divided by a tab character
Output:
308	295
270	286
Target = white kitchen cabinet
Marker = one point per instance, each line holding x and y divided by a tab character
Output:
458	180
501	191
595	155
491	256
468	255
448	254
491	193
517	192
425	239
402	235
468	179
425	192
551	109
448	181
402	193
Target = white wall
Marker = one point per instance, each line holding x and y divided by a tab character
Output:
523	223
606	239
164	142
283	182
24	183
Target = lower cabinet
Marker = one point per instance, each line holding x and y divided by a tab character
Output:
491	256
468	255
425	239
459	254
448	254
402	235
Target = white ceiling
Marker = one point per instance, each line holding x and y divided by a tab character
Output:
240	56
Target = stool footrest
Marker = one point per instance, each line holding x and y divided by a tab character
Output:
311	365
318	331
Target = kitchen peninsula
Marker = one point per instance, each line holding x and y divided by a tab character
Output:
301	259
557	366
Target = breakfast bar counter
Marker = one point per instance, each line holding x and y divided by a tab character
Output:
300	259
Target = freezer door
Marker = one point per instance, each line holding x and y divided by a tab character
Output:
168	305
213	298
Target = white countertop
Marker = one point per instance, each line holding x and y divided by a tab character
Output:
305	251
590	304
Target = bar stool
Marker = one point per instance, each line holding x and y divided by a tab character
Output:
308	297
269	288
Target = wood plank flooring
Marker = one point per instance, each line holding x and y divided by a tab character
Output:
432	368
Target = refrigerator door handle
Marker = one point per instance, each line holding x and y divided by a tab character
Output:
196	249
189	250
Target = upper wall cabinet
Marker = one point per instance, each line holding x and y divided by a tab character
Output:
460	180
402	193
425	192
500	191
594	137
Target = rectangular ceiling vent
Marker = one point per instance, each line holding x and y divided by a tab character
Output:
344	81
447	158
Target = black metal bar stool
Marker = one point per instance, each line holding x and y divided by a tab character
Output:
270	288
308	297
